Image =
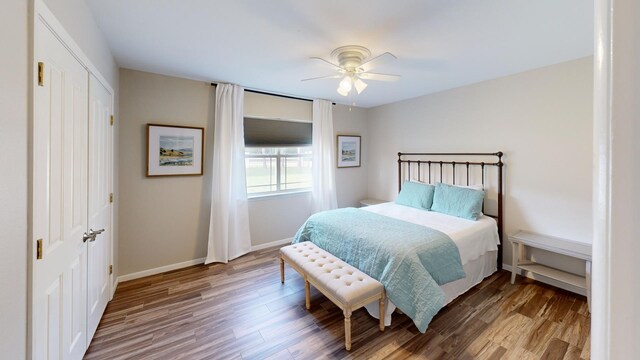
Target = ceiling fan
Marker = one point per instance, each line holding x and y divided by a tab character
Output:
354	64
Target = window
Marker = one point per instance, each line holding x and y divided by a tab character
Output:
277	155
278	169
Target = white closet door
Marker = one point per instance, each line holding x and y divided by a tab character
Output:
59	201
100	188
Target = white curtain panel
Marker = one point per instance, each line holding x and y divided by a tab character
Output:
229	235
324	157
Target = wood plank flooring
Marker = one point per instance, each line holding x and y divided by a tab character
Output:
241	311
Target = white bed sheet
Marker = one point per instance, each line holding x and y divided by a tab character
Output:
477	242
473	238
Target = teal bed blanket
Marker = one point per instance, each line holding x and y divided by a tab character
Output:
410	260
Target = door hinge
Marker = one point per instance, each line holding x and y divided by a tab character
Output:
110	269
39	249
112	120
40	73
111	198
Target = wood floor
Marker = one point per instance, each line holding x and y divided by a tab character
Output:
241	311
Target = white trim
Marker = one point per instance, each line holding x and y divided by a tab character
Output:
271	244
615	317
549	281
601	266
114	286
273	194
159	270
184	264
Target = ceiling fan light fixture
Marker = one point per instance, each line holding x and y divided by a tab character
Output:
344	88
353	63
346	83
359	85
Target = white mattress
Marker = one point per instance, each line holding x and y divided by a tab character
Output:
477	242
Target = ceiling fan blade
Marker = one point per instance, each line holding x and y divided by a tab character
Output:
359	85
335	66
379	77
336	76
375	61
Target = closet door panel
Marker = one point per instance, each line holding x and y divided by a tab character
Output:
60	167
100	188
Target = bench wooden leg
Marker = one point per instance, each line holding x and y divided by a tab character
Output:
307	294
347	329
281	270
382	314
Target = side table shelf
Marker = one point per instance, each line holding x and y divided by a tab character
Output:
523	239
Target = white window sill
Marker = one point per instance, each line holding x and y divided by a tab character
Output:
267	196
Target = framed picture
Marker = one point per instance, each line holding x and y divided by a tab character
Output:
174	150
348	151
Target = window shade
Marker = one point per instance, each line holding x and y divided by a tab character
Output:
267	132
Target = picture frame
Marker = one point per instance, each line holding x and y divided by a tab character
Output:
349	147
174	150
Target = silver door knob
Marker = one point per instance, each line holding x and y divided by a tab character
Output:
86	237
94	233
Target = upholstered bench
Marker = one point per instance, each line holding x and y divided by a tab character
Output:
343	284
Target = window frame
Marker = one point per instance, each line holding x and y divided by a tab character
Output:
279	159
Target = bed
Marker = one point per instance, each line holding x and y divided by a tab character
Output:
404	242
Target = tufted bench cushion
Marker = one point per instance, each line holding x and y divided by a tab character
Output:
346	286
346	283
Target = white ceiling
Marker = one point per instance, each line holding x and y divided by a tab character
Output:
266	44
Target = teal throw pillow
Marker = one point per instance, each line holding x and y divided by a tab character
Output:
417	195
458	201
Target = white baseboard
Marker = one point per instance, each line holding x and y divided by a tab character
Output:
160	269
548	281
114	286
272	244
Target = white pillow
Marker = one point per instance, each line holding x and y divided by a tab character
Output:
474	187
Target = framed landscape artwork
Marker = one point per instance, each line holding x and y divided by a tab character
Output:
348	151
174	150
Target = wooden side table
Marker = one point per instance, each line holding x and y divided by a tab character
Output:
578	250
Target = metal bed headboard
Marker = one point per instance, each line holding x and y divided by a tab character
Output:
424	161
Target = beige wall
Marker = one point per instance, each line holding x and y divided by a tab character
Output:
165	221
541	120
351	183
14	72
278	217
274	107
